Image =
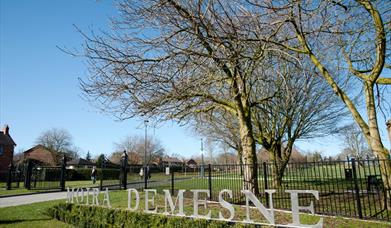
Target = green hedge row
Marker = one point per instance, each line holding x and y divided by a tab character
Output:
94	216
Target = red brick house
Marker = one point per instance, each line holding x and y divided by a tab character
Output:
7	146
42	155
191	163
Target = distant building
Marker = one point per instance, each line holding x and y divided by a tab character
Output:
191	163
7	146
42	155
80	163
168	161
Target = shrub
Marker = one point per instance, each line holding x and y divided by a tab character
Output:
95	216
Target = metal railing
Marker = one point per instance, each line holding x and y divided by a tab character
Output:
351	188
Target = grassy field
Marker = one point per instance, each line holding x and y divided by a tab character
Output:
33	215
22	190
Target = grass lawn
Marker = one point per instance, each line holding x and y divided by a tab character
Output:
22	190
18	191
33	215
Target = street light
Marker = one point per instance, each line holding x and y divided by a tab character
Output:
202	160
145	142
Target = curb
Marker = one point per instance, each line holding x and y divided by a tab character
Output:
30	193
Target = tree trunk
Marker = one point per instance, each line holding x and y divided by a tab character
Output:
278	174
388	124
280	158
250	177
376	144
240	157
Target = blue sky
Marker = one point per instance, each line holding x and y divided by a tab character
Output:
39	83
39	86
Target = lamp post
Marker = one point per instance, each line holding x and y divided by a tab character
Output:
202	160
145	154
145	142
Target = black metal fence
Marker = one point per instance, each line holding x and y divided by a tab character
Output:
352	188
32	176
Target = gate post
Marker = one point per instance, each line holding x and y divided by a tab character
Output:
124	170
145	177
28	172
102	166
357	190
265	183
210	181
172	182
63	172
9	176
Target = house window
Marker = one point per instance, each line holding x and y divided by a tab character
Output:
1	150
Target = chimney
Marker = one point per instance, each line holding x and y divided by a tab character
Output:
6	129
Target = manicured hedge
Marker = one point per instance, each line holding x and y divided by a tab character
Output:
94	216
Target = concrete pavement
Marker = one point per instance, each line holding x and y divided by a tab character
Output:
34	198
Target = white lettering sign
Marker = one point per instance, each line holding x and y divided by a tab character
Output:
197	202
168	200
107	198
77	195
226	205
152	200
296	208
130	190
251	197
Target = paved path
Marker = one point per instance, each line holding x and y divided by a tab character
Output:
34	198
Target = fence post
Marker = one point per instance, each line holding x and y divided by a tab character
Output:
145	177
357	190
210	182
265	182
101	174
172	183
124	170
27	180
19	176
9	176
63	172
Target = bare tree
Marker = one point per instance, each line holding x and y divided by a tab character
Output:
354	142
342	39
315	156
174	59
220	126
55	139
304	108
135	147
210	147
58	140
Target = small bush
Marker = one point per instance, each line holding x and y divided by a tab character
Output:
94	216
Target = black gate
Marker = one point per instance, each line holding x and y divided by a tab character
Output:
39	177
45	177
14	176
